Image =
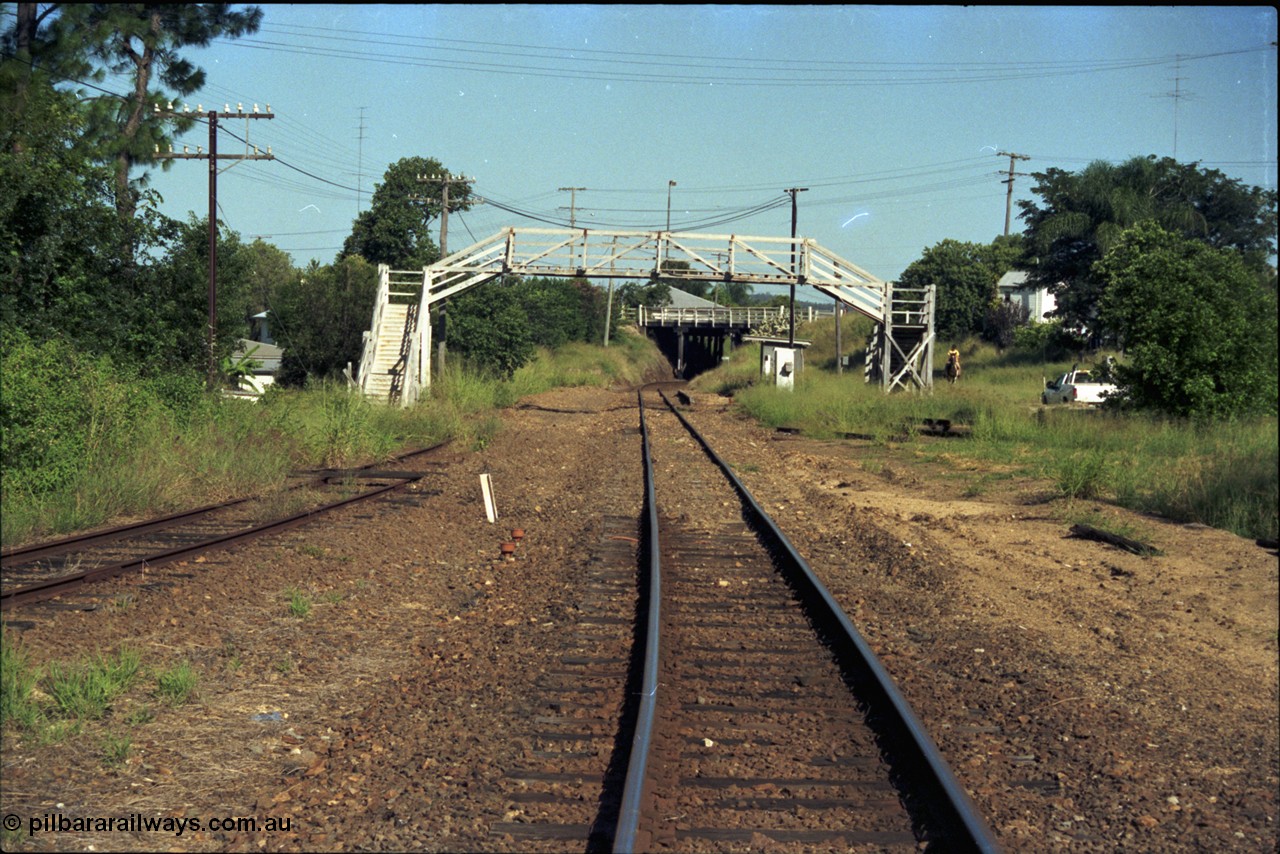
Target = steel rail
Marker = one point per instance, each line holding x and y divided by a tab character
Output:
54	547
624	839
91	538
67	583
963	815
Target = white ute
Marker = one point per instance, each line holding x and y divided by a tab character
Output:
1076	387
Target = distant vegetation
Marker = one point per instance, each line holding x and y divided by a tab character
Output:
1223	473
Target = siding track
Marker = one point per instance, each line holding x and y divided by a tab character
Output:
54	569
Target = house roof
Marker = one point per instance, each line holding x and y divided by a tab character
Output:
684	299
267	355
1014	280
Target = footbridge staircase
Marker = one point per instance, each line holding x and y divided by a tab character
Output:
396	363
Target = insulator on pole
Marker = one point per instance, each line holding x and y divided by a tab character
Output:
239	108
255	108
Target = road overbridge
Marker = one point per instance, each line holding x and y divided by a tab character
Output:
396	363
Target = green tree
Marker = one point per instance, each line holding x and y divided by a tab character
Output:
554	310
395	230
561	310
58	230
321	316
689	286
1001	322
594	303
142	42
269	269
1083	215
172	317
730	293
29	61
966	282
1199	332
489	328
63	270
655	294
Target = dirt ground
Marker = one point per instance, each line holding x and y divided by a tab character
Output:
1090	699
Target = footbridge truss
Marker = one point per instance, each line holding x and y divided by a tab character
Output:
396	363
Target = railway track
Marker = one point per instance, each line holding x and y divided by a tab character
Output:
54	569
753	714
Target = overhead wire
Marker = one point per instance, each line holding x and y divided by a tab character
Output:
783	70
882	73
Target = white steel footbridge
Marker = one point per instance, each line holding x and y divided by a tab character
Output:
396	364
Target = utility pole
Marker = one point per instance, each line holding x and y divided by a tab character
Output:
213	157
839	309
360	164
791	338
445	180
1008	203
573	201
1178	96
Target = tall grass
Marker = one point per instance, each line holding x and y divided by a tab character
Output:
1220	474
17	681
86	689
155	447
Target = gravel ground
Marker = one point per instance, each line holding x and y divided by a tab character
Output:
1090	699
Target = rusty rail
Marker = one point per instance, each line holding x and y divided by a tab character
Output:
956	825
72	581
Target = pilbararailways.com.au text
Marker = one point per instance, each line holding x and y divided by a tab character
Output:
137	822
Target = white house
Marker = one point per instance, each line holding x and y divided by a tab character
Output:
261	348
1038	302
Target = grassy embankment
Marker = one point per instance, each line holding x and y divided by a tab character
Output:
1222	474
85	444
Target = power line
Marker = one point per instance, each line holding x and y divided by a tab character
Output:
611	59
887	74
706	223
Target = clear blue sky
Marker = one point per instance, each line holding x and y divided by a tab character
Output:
891	116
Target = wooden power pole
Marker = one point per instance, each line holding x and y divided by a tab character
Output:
573	203
1008	203
791	337
213	157
444	180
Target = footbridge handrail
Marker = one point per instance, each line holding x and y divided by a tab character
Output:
674	256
